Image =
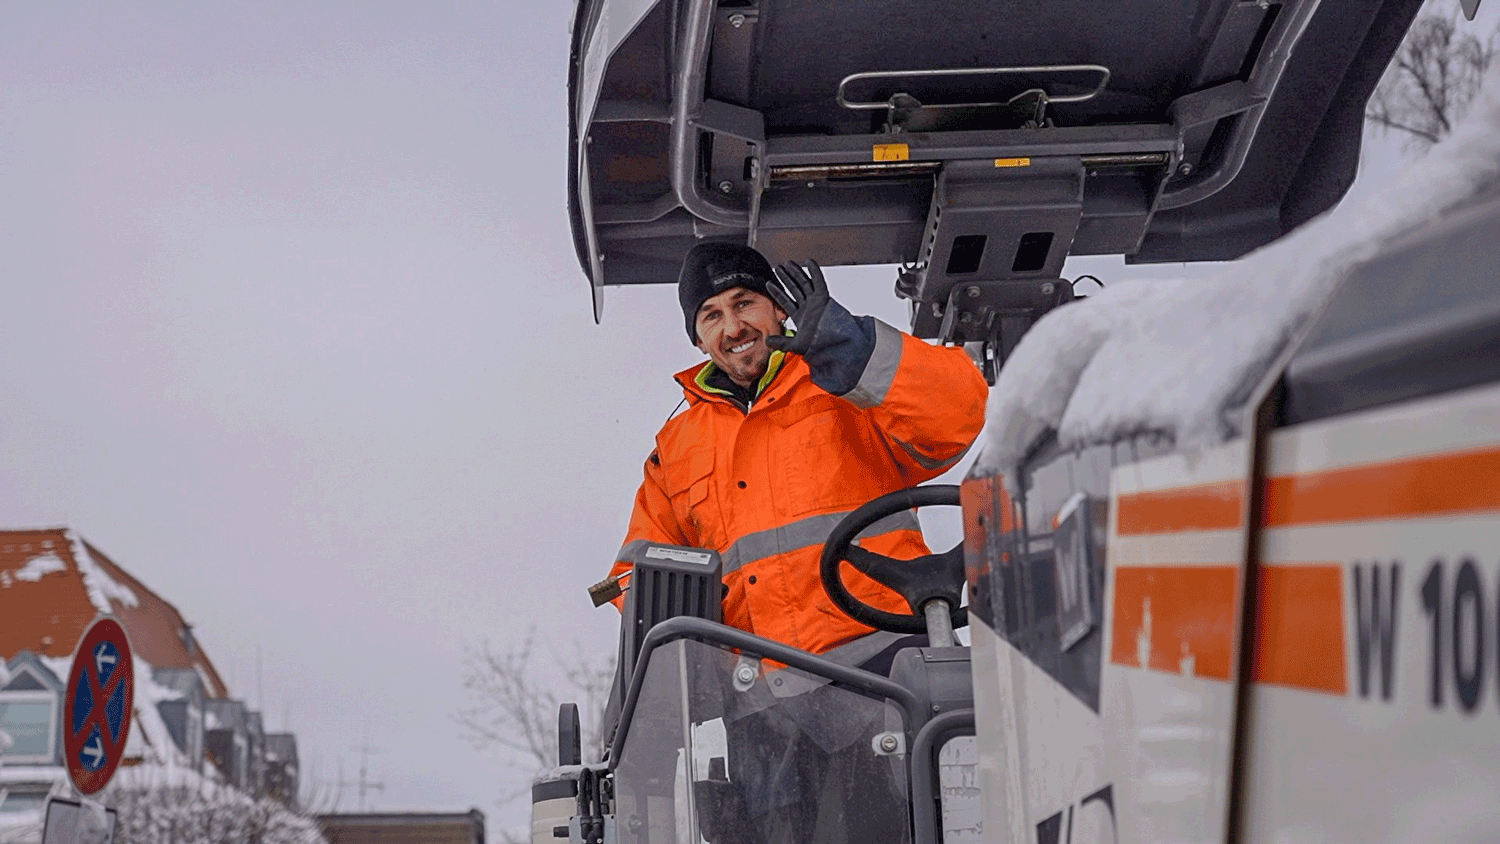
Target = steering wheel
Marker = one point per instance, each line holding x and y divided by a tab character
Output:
918	580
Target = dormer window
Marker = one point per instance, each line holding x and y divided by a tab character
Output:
28	714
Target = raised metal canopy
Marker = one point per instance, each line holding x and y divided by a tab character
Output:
978	144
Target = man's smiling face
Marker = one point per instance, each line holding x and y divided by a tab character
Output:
732	330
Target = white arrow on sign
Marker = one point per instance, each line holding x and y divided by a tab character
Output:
103	657
94	750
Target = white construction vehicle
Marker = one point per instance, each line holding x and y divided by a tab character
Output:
1231	548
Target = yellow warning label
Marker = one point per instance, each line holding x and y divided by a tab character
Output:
891	152
1012	162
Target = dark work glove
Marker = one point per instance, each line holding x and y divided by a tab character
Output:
804	297
836	344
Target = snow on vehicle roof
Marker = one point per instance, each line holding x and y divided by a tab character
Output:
1179	357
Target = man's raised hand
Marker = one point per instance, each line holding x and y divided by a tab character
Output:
803	295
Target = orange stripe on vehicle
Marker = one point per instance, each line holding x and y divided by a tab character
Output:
1216	506
1460	482
1299	628
1168	617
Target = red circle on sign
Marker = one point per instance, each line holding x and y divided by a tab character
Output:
101	682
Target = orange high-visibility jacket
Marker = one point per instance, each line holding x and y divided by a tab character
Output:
765	487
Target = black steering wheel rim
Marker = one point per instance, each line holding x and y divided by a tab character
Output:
908	574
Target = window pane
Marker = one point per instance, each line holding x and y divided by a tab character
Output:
23	801
734	746
29	725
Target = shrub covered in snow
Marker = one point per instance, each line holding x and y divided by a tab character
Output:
177	807
206	815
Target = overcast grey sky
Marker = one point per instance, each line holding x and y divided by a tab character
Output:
294	331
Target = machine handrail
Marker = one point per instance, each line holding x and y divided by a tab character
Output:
975	71
958	722
708	632
1285	34
687	107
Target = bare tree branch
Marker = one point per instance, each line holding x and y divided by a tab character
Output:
1432	79
514	695
1385	122
515	710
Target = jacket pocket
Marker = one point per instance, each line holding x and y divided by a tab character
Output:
821	463
691	482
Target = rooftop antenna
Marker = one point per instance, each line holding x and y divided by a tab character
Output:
339	785
364	751
363	783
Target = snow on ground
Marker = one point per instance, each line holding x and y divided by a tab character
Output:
1177	357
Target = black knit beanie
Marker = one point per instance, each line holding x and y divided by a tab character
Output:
711	268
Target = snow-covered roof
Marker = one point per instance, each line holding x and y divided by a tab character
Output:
102	588
58	665
35	568
181	681
1180	357
224	714
52	586
38	670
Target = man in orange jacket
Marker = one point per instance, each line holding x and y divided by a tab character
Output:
787	433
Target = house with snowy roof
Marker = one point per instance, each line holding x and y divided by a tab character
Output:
227	740
53	585
184	713
282	776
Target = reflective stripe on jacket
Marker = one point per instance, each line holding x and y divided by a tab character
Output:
765	487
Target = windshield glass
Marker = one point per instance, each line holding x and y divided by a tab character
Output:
726	750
